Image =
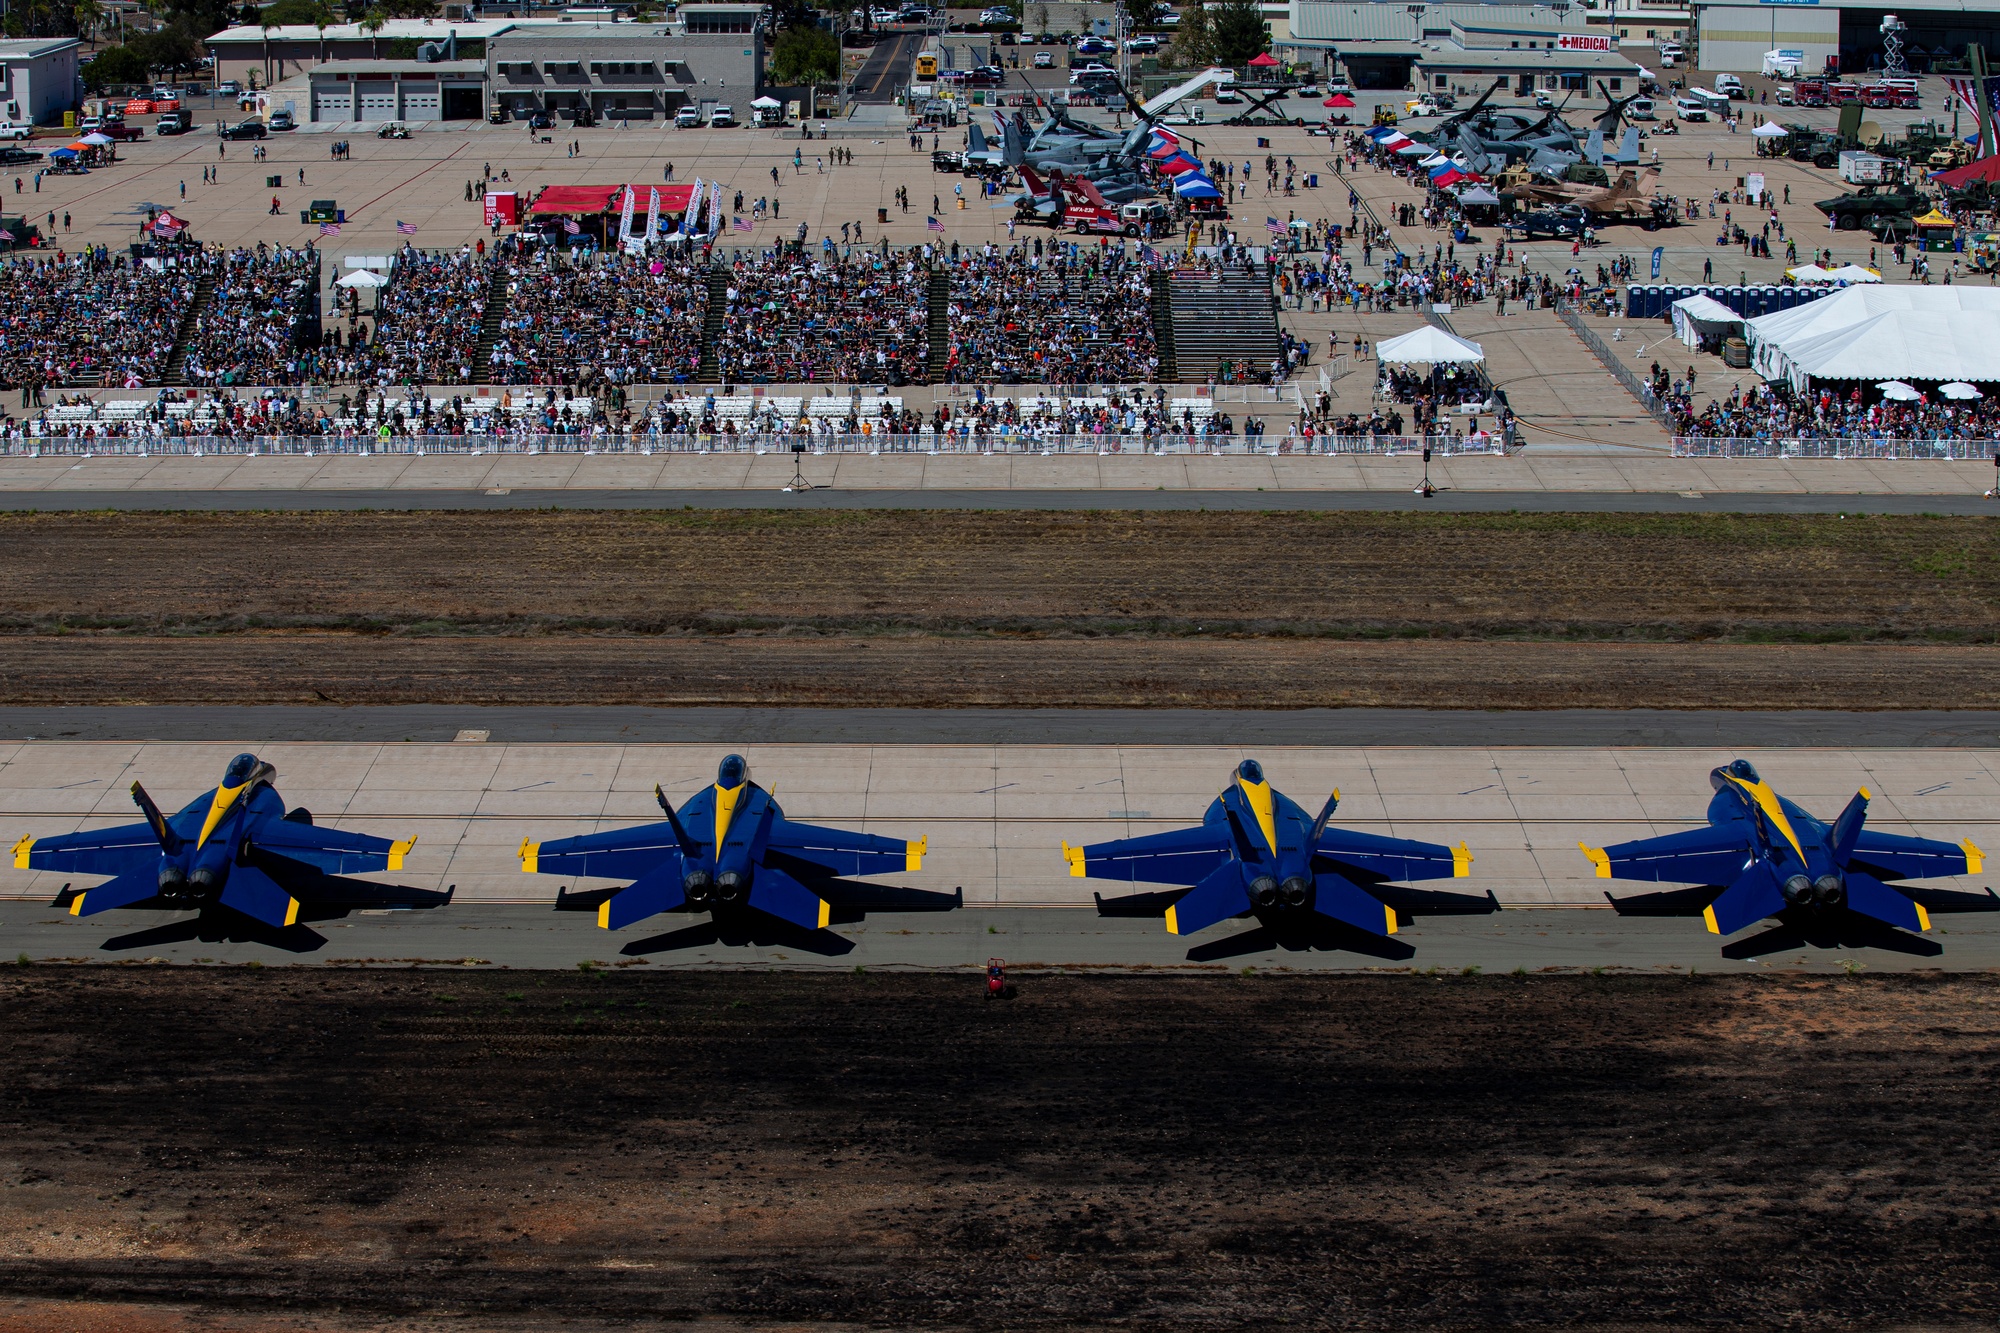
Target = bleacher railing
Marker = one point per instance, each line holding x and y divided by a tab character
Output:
722	443
1702	446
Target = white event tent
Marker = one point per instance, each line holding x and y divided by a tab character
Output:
1428	346
1882	332
1698	316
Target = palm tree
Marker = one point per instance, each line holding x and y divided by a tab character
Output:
372	23
265	22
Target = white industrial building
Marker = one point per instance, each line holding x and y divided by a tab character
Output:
1735	37
38	78
1445	46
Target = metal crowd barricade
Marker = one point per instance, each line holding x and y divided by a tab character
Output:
1942	447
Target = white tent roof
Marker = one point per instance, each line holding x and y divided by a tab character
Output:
1809	273
1854	273
765	103
1707	310
1430	347
1478	194
1770	129
1879	332
361	277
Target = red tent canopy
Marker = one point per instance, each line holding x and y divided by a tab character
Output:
1264	61
609	198
1985	169
1338	99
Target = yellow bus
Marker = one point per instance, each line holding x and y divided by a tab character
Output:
927	65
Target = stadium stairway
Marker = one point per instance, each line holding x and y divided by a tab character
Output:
710	372
1229	318
1163	328
939	326
489	325
175	371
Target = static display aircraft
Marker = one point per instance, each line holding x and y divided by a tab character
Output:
1256	851
1763	856
728	851
1487	139
234	849
1621	201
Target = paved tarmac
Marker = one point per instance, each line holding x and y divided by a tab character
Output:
620	725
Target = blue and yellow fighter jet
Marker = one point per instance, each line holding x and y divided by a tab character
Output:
728	848
235	847
1257	851
1763	856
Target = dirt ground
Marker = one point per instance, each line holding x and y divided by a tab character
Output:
1051	609
383	1149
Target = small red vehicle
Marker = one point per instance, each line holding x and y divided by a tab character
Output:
996	979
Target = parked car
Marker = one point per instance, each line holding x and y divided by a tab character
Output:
282	120
1094	46
1142	44
688	117
10	156
90	125
1044	60
249	129
721	118
996	15
228	88
173	122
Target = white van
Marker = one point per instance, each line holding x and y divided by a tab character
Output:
1688	108
1729	85
1641	108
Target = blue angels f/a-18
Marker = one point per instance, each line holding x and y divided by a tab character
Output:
1256	851
1764	856
236	848
728	849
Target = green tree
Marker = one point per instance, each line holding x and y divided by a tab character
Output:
115	65
1240	32
804	55
172	48
372	23
1193	46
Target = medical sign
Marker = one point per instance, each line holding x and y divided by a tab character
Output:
1579	41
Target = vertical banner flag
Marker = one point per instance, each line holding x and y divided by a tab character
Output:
693	214
1659	253
625	216
715	208
652	213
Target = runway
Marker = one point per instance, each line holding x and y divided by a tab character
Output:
1467	502
996	817
1576	727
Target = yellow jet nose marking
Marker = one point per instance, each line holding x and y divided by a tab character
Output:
726	801
1073	855
399	850
913	853
1259	796
1598	859
531	855
1767	801
25	845
1975	860
219	807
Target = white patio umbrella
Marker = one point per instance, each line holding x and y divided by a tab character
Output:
1898	391
361	277
1960	390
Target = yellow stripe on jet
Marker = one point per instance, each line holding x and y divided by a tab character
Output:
531	855
1259	796
399	850
604	914
27	844
1975	860
1173	922
1598	859
726	801
913	853
1923	917
1461	863
1708	915
224	798
76	905
291	911
1074	855
1389	913
1767	801
825	913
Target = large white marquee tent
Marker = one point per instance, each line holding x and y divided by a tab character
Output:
1879	333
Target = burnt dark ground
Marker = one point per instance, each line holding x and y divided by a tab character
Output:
384	1147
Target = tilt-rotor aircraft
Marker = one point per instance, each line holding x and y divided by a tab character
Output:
729	851
1258	852
232	850
1764	856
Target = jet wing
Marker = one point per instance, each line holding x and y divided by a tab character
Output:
1714	855
1371	858
625	853
1890	856
1184	856
839	852
331	851
111	851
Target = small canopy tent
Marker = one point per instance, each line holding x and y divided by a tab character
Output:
361	277
1854	273
1428	346
1770	130
1702	318
1985	169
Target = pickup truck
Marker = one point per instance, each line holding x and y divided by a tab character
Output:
120	131
10	130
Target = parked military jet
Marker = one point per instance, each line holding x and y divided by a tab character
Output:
1620	201
1256	851
233	848
728	850
1763	856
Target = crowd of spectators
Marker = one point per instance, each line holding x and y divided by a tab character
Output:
797	317
1777	412
90	317
249	332
600	318
427	322
1021	318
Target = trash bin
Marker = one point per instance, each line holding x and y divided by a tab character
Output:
1312	181
881	215
274	182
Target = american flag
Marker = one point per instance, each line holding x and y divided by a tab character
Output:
407	228
741	224
1148	255
571	227
1274	226
933	225
328	229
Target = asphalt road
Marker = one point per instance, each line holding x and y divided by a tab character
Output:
1469	502
887	69
997	726
530	936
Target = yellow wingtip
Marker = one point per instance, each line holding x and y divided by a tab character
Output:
1975	860
21	850
1389	916
914	852
1173	921
76	905
1708	915
825	913
604	915
1867	795
1923	917
1597	858
1461	862
399	850
1074	855
291	911
531	854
